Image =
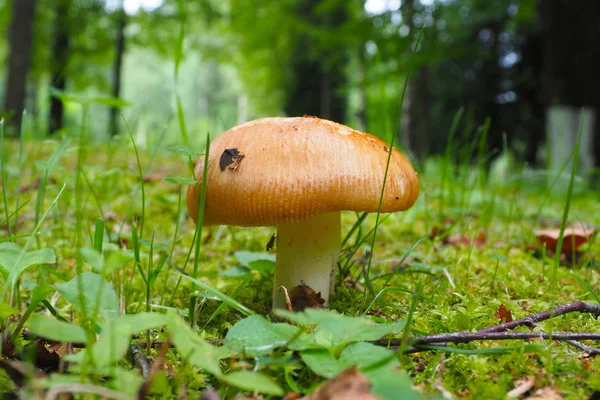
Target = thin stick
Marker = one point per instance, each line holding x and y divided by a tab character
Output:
499	332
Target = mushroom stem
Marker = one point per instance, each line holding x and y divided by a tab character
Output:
307	252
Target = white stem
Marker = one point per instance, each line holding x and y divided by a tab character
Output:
307	252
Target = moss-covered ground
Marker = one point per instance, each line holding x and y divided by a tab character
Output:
484	255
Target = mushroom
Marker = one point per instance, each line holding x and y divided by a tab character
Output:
298	174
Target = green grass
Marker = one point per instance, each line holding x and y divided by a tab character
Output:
122	245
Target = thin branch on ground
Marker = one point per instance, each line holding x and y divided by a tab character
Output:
144	391
532	320
499	332
140	360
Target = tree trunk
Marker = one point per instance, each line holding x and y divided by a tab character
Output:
20	42
319	81
362	89
570	58
60	57
117	68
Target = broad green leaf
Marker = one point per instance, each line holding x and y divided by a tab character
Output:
184	150
335	330
247	257
253	381
151	245
264	267
116	260
14	262
6	311
86	100
391	383
220	295
94	258
179	180
322	362
53	329
97	294
193	348
256	335
39	293
360	354
116	337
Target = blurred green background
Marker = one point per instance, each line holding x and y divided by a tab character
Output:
184	67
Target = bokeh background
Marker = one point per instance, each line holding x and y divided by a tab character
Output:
522	73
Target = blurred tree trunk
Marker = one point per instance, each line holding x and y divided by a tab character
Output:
20	43
320	79
417	101
362	89
415	125
490	81
571	56
60	60
118	67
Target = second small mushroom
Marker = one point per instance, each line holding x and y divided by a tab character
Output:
298	174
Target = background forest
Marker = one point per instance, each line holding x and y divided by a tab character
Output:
216	63
486	288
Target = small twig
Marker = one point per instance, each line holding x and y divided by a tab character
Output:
140	360
591	351
499	332
156	365
532	320
465	337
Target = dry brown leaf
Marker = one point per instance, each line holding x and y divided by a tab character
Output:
574	236
303	296
348	385
35	184
479	241
154	176
546	393
503	314
522	386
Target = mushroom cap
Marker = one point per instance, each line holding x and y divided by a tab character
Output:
275	171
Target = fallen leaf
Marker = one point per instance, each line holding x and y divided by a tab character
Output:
503	314
42	358
574	237
303	296
154	176
546	393
35	184
479	241
348	385
522	386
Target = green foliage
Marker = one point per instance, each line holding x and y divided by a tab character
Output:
334	331
53	329
6	311
15	261
92	295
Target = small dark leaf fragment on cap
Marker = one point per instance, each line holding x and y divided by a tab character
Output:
271	243
303	296
230	158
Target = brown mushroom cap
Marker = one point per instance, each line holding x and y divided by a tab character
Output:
274	171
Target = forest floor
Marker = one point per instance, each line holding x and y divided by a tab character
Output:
104	260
